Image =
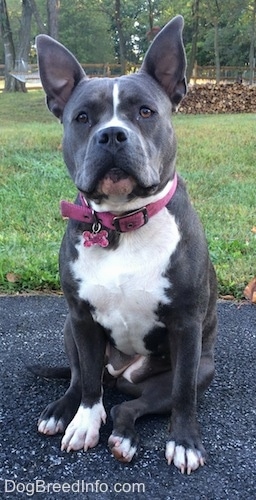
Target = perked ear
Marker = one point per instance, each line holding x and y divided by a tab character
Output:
59	71
165	60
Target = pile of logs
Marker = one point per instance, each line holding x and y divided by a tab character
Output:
222	98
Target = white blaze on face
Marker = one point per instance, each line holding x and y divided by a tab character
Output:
115	100
115	121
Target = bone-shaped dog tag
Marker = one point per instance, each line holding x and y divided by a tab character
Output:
98	236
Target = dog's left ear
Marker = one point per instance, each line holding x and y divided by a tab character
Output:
59	71
165	60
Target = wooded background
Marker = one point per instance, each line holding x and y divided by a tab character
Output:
217	33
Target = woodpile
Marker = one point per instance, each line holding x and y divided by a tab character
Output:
223	98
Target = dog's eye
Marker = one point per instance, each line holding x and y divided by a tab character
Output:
145	112
82	118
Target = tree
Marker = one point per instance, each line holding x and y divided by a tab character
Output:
37	16
16	61
216	17
119	29
133	26
53	7
105	31
24	42
195	27
11	84
91	40
252	44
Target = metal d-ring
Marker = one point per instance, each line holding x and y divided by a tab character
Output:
96	227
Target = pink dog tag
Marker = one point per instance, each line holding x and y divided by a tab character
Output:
99	238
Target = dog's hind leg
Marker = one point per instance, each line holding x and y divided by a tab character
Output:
56	416
153	396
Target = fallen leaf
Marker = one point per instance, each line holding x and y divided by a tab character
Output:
250	291
227	297
12	277
253	229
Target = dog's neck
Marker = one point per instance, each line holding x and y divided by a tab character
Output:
119	205
122	223
85	212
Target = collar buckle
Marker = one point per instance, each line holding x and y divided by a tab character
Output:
130	222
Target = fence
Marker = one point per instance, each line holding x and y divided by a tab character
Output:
239	74
201	74
32	80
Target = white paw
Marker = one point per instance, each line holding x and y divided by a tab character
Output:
186	460
122	448
83	430
50	426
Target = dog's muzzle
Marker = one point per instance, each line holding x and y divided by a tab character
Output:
115	164
116	182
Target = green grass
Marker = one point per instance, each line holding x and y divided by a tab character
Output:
216	156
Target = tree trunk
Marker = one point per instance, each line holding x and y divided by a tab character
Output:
52	13
37	16
24	42
192	58
120	35
11	84
150	15
217	49
252	45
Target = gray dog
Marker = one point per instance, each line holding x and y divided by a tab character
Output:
134	263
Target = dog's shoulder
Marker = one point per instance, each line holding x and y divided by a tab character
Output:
187	219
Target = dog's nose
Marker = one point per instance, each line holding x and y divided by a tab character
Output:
112	136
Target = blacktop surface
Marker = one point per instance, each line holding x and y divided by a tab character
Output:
32	465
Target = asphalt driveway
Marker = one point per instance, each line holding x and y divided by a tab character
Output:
32	465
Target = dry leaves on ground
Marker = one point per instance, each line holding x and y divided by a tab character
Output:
250	291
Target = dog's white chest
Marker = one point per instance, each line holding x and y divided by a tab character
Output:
126	285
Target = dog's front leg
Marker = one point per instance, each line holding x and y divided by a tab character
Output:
83	430
185	448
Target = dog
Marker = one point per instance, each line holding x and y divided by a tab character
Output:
134	263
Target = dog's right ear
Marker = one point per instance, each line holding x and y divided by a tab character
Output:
59	71
165	60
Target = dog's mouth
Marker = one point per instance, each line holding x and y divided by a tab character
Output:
118	185
116	182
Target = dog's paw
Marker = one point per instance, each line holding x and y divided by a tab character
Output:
50	426
83	430
122	448
57	415
185	459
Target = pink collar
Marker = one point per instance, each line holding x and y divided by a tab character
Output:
121	223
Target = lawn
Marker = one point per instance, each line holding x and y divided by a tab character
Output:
216	156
